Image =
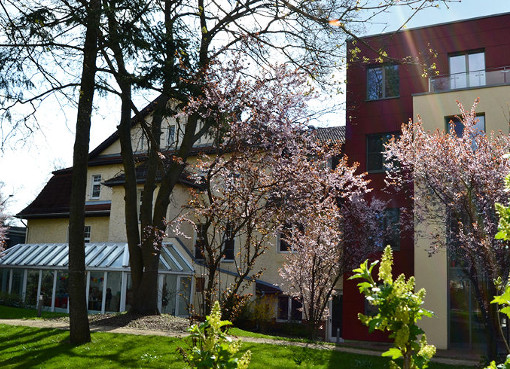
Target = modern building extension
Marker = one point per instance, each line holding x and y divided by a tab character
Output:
472	59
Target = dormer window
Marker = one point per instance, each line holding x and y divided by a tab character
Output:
95	186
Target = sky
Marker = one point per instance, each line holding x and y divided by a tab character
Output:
27	167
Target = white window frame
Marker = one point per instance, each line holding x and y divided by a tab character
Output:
289	311
225	238
95	183
198	231
279	242
86	233
170	138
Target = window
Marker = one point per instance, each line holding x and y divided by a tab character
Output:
199	284
96	186
170	138
391	228
228	242
458	126
286	232
382	82
141	145
200	241
139	195
289	309
467	69
375	149
86	234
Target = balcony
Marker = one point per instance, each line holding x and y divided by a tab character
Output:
473	79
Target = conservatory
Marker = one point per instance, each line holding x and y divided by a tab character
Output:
31	270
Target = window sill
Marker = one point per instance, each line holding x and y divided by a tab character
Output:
383	171
383	98
228	261
289	321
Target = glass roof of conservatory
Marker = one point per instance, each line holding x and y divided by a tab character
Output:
97	256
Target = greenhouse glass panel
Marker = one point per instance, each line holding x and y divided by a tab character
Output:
4	280
183	298
32	284
62	290
96	290
129	292
169	294
17	282
115	258
47	287
113	289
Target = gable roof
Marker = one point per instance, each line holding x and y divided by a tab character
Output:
134	120
53	201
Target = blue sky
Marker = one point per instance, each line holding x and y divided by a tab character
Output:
26	170
457	10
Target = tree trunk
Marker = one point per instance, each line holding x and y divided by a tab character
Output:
79	324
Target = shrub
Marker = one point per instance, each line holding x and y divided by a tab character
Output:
211	347
398	310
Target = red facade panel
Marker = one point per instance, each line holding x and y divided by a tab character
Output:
412	50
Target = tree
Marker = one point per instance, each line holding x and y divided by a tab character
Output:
78	315
3	218
457	181
323	249
167	46
251	168
29	30
190	37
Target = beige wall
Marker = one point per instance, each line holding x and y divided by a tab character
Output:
431	272
494	103
106	172
55	230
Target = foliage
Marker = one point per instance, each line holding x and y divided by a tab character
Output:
457	180
9	299
164	47
3	219
257	174
212	348
503	300
326	243
399	309
505	365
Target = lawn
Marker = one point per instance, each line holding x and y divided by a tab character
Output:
8	312
25	347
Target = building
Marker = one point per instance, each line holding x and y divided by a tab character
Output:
39	266
472	58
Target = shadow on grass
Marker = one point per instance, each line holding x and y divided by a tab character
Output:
24	347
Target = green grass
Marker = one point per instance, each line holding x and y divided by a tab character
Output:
25	347
8	312
238	332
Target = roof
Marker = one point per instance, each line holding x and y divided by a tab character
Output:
99	256
115	135
53	201
141	172
331	134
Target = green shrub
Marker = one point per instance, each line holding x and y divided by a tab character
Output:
398	310
212	348
14	300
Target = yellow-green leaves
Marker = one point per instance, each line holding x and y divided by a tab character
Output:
398	310
212	348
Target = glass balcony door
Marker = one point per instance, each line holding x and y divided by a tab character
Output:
467	70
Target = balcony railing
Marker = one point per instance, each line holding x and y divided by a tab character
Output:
479	78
